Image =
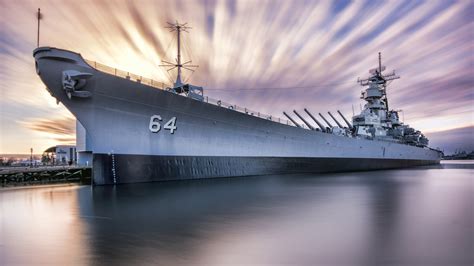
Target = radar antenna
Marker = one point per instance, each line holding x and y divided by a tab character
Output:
178	28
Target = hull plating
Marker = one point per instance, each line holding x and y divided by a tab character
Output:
119	168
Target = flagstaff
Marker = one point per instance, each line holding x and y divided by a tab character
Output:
38	16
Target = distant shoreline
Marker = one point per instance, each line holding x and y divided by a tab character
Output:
19	155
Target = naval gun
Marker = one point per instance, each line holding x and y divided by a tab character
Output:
304	120
315	120
337	122
327	122
345	120
291	119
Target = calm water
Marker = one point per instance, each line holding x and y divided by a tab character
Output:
399	217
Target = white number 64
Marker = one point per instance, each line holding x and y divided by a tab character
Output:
155	125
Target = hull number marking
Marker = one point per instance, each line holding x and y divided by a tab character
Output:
155	125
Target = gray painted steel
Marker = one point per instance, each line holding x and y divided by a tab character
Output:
117	116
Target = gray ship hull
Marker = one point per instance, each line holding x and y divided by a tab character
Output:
209	141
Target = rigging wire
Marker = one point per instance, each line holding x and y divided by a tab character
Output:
187	47
167	73
189	54
169	45
187	79
278	88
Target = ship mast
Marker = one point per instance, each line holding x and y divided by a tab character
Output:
379	79
384	83
178	28
38	16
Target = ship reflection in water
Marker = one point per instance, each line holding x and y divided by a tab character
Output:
404	217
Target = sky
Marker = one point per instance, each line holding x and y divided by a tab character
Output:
269	56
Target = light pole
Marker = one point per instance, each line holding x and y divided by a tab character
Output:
31	157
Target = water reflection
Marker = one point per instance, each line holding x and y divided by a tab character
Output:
40	226
413	216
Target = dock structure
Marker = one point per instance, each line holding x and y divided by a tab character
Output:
20	176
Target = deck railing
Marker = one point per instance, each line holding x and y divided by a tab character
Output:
126	75
163	86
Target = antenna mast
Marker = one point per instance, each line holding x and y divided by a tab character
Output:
380	79
385	81
186	65
380	63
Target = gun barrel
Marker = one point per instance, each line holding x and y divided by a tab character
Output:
345	120
327	122
333	118
291	119
315	120
304	121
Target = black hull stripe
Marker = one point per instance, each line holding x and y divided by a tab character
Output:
120	168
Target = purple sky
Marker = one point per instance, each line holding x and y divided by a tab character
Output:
269	56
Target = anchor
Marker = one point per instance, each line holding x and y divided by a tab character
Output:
74	81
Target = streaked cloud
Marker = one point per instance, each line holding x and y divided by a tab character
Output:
62	130
63	126
322	46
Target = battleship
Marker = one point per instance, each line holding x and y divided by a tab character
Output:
133	129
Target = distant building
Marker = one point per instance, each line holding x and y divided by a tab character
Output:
60	154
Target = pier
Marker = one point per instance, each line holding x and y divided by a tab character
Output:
22	176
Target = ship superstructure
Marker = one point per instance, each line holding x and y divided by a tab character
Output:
133	129
375	121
